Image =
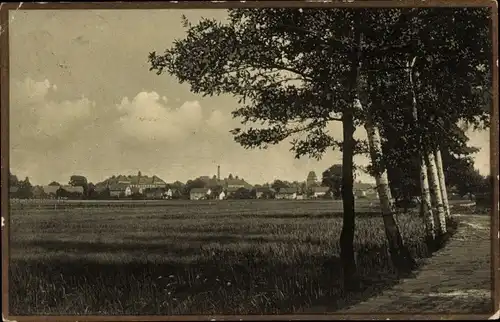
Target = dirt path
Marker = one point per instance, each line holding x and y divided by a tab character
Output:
456	279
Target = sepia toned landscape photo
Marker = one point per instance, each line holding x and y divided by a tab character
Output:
250	160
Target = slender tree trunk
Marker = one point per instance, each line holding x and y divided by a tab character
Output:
425	202
348	224
442	182
425	199
434	181
347	256
400	255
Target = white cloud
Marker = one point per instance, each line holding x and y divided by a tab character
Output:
34	116
147	117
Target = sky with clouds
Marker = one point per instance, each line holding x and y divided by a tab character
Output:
83	101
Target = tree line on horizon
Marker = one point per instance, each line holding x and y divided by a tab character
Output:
413	78
25	190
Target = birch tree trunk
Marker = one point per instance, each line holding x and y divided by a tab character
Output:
426	202
442	182
434	181
426	205
400	255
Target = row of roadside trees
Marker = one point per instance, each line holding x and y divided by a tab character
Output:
409	76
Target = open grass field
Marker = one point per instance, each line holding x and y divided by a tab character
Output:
179	257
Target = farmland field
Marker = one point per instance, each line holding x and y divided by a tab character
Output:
180	257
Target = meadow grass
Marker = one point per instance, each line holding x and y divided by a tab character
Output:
230	257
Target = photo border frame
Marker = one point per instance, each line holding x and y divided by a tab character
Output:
4	145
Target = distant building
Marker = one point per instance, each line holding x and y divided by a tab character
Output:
231	190
13	190
300	197
286	193
199	193
100	187
222	195
261	193
51	191
154	193
38	192
364	190
73	189
168	194
319	192
139	181
118	190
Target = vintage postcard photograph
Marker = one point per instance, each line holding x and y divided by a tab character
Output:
249	159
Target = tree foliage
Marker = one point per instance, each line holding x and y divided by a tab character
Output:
25	189
13	180
289	70
332	178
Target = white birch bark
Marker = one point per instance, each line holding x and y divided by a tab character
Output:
442	182
434	181
426	201
381	179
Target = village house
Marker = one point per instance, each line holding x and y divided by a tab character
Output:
222	195
320	192
51	191
199	193
145	182
261	193
364	190
139	181
230	191
236	183
13	191
73	189
38	192
168	194
300	197
129	190
118	190
154	193
286	193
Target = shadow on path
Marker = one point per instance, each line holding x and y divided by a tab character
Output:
456	279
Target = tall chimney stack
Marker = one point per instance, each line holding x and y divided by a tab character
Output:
218	172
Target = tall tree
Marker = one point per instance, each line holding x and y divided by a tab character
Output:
278	184
311	179
332	178
13	180
192	184
91	191
79	181
25	189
